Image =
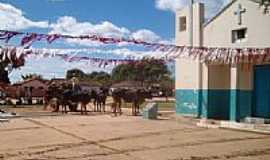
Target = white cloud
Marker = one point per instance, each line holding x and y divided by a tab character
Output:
70	25
52	67
212	6
146	35
13	18
171	5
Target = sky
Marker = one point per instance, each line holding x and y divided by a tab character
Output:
148	20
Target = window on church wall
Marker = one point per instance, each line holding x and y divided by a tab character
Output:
182	24
239	35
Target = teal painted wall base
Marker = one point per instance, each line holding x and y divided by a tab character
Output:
187	102
244	104
214	104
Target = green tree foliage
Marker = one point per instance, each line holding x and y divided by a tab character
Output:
124	72
31	76
145	71
167	84
100	77
75	73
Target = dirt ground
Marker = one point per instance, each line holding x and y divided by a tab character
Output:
103	137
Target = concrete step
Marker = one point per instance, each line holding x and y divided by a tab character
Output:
265	127
259	128
208	123
256	120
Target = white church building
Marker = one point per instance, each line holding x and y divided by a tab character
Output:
226	92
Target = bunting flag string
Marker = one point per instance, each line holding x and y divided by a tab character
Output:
7	35
16	56
204	54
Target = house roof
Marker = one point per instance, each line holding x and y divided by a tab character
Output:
224	9
30	80
127	84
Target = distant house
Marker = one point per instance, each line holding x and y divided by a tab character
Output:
32	90
7	90
11	94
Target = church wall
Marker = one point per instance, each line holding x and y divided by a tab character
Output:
218	33
188	72
187	87
218	91
222	92
182	37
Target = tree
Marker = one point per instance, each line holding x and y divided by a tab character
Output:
124	72
146	71
102	77
75	73
167	84
31	76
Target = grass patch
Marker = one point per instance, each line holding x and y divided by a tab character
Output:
166	105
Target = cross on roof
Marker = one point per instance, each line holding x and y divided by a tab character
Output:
239	12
